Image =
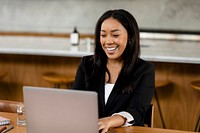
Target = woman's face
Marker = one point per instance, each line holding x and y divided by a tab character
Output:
113	38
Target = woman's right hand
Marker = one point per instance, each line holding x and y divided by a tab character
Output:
111	121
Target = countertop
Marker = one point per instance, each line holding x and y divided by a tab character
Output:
151	49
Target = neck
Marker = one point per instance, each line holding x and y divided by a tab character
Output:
115	63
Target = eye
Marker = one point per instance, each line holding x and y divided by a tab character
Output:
115	35
103	35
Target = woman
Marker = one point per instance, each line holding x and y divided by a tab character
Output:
123	81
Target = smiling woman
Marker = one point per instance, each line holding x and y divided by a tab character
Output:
124	82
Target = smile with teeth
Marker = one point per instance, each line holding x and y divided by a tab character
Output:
111	48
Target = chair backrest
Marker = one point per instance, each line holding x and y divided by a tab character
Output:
8	106
148	120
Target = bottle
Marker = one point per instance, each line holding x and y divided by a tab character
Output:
74	37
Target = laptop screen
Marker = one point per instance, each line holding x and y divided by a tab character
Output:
50	110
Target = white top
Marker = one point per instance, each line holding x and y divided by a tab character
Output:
108	89
126	115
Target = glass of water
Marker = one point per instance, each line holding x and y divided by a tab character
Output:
21	119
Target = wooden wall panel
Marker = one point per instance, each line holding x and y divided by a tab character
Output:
27	70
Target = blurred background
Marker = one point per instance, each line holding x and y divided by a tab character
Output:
35	49
63	15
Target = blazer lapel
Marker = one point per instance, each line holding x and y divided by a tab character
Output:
101	91
101	95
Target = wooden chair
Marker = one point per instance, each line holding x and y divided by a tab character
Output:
158	85
8	106
59	79
149	116
196	85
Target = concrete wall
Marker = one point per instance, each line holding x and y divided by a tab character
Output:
61	16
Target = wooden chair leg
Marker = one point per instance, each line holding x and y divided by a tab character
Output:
197	127
159	109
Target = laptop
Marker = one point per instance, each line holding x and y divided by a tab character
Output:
50	110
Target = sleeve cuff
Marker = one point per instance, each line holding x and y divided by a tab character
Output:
128	116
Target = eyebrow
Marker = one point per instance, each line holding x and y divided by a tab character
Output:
111	30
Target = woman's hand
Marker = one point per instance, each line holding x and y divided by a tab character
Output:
111	121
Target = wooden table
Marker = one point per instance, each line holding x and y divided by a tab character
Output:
133	129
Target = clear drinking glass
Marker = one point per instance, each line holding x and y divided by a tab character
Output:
21	119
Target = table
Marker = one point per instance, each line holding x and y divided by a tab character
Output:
132	129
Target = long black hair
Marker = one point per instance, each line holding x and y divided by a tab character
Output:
132	51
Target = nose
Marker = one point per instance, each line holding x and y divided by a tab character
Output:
109	40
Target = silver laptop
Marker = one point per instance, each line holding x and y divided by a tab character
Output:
50	110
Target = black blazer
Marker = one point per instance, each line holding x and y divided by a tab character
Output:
136	103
